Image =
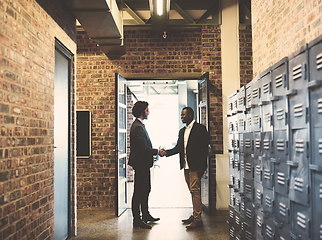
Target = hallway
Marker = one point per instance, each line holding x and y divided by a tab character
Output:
101	224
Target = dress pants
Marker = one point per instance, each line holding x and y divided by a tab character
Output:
194	184
142	188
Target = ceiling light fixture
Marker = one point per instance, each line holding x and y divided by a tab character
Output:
160	7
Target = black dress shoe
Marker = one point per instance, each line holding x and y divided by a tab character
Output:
150	219
141	224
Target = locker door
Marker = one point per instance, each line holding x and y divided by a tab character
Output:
299	167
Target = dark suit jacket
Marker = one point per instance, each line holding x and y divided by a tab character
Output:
197	147
141	151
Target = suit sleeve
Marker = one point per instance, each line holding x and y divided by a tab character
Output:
141	142
177	147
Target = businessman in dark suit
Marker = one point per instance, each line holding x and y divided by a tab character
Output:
192	145
141	159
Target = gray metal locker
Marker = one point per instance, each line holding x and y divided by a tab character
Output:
279	79
259	222
248	92
316	107
257	138
281	178
280	143
241	100
248	144
249	232
249	213
268	201
256	92
268	174
316	146
299	167
267	145
258	197
258	170
298	89
317	204
249	189
266	91
269	227
301	220
280	114
267	117
249	167
256	118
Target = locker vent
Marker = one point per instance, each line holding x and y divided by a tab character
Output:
249	121
241	101
297	72
258	143
298	110
249	213
258	170
248	143
248	188
301	220
299	186
231	160
299	146
281	178
249	98
258	194
256	119
269	232
248	235
241	123
267	174
248	167
232	233
231	214
237	202
320	146
280	114
266	88
237	221
319	61
255	92
235	104
320	192
283	209
280	144
267	117
279	81
320	105
259	221
266	144
242	206
268	202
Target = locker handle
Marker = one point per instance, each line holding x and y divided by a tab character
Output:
316	168
274	160
276	98
305	71
265	215
230	186
293	163
278	224
291	92
284	79
314	83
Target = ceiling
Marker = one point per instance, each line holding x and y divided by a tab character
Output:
104	20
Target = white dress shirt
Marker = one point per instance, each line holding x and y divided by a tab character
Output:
186	138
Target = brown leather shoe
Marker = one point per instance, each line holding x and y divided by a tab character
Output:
194	225
188	221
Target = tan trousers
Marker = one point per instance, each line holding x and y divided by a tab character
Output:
194	184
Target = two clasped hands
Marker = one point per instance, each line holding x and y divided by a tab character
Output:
162	152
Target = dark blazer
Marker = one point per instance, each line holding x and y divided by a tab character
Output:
141	151
197	147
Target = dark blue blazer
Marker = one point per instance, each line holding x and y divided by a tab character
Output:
141	151
197	147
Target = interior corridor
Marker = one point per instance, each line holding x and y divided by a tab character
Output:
101	224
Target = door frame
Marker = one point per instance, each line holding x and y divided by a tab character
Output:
59	46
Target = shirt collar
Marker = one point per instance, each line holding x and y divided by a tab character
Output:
140	120
191	124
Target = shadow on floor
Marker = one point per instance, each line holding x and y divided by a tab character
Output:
102	224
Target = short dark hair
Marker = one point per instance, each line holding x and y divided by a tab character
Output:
189	110
139	108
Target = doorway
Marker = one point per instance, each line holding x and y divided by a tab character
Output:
62	142
166	99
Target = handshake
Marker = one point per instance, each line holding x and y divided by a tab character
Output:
162	152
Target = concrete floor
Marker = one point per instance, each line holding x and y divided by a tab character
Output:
101	224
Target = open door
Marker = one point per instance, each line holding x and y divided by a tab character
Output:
203	117
120	144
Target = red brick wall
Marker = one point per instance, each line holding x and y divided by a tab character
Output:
196	50
246	54
282	27
27	46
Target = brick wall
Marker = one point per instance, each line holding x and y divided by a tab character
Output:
27	46
282	27
190	51
246	54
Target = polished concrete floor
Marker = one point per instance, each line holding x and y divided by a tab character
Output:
101	224
169	199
